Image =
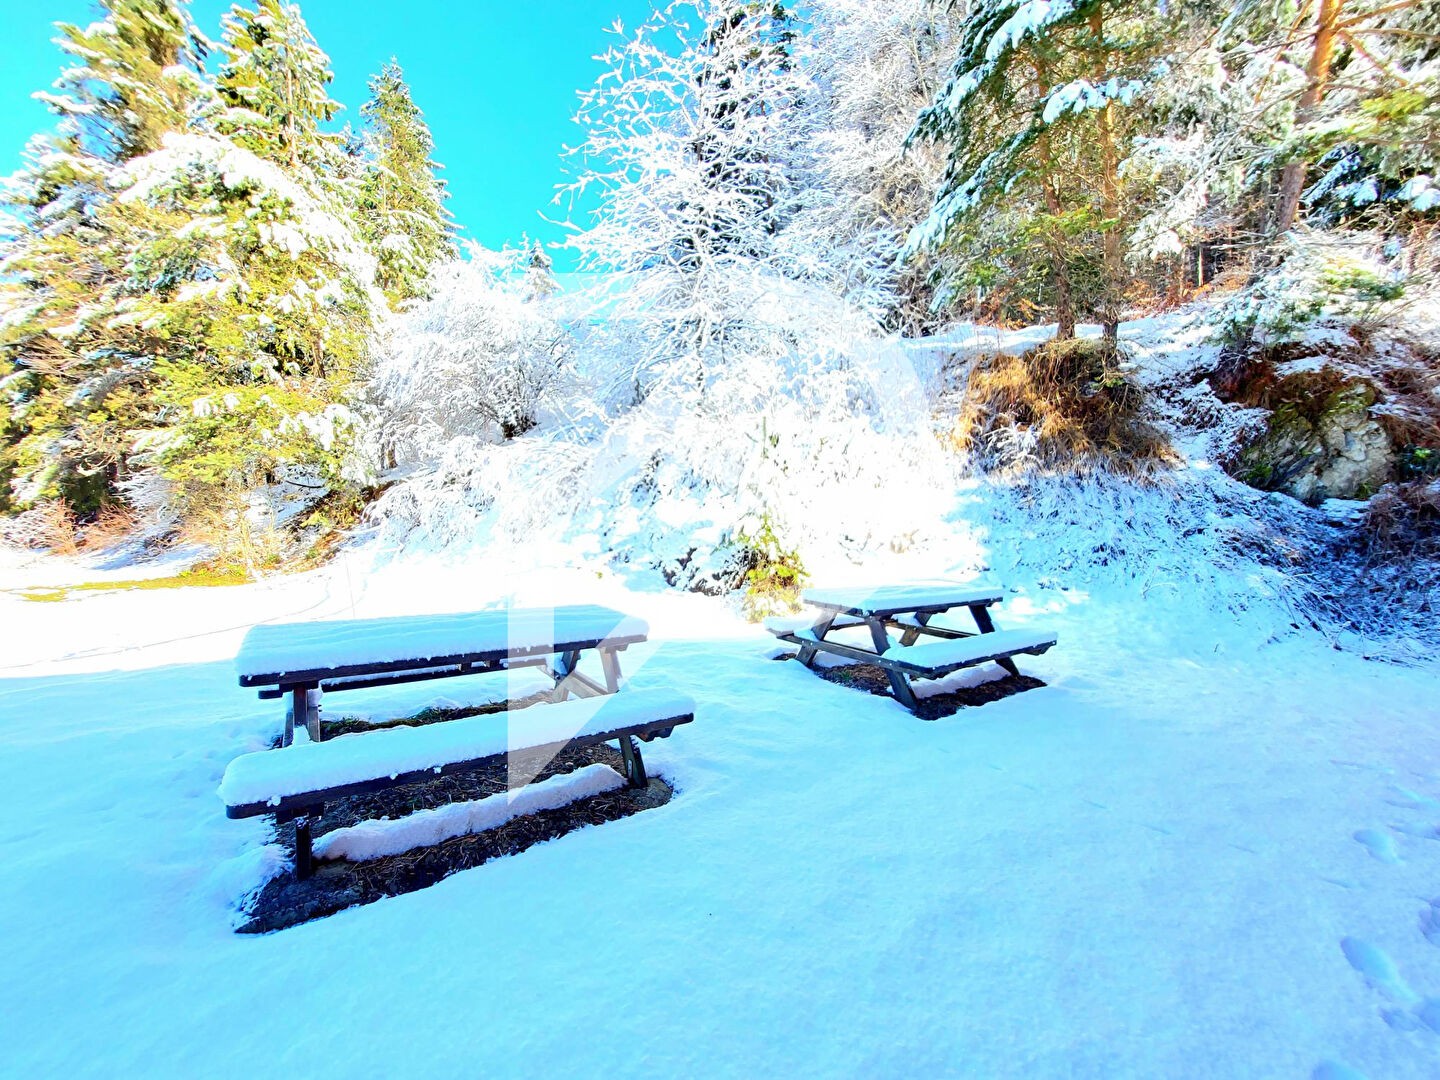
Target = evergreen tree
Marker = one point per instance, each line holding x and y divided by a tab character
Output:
402	200
195	309
1363	97
273	87
539	274
79	374
136	74
1033	110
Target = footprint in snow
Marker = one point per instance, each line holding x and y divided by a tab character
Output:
1424	831
1408	1011
1333	1070
1430	922
1379	844
1411	800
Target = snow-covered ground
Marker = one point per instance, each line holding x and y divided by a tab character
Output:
1206	848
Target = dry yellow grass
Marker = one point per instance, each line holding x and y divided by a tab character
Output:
1064	407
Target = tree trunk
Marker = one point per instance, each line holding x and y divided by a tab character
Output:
1064	301
1059	266
1113	259
1292	177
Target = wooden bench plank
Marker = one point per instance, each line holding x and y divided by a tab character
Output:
290	779
940	657
949	654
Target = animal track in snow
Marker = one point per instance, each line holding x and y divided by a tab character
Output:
1379	844
1333	1070
1377	967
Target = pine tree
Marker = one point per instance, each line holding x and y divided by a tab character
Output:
402	200
1366	107
136	75
539	274
194	309
80	374
1033	110
273	86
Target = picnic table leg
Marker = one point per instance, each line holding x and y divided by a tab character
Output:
986	625
565	663
569	681
912	634
304	856
806	655
312	714
899	681
298	711
610	663
634	763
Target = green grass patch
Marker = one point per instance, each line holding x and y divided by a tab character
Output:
182	580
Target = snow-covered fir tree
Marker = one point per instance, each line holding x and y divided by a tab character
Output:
1033	116
76	382
274	87
181	304
402	197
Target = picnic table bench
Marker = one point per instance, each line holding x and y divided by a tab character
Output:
302	661
910	610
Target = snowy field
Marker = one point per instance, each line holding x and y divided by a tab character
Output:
1192	854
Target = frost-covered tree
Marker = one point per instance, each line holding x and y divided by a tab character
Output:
195	310
1358	82
1034	110
476	361
402	198
692	149
134	76
539	274
873	67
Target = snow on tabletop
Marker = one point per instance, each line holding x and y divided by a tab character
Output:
269	775
426	828
788	624
282	648
969	650
904	596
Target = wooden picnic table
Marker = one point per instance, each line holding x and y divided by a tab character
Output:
302	661
910	609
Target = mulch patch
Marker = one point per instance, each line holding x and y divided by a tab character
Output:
339	884
872	679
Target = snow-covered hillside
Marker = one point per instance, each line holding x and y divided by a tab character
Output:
1207	847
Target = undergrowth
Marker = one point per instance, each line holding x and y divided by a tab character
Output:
1065	407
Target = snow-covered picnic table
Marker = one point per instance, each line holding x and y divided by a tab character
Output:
303	660
910	609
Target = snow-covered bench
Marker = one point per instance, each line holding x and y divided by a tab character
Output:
910	609
295	782
300	661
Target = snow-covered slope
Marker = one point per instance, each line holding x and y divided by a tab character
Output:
1206	848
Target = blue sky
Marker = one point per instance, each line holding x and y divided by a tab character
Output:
497	82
